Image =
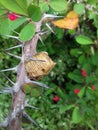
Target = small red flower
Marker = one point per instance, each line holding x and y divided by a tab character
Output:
93	87
76	91
83	72
12	16
56	99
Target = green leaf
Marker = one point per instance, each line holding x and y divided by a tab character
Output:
22	4
61	93
27	32
90	126
34	12
96	71
84	40
4	26
97	32
95	59
27	88
2	11
87	66
76	52
82	59
36	91
44	6
76	76
96	84
81	93
15	24
91	79
59	33
49	91
92	1
79	8
76	115
32	90
13	6
29	2
58	5
95	20
65	108
72	31
89	95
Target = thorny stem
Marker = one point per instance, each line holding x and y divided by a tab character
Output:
18	99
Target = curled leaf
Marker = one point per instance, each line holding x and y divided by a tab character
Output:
71	21
72	14
67	23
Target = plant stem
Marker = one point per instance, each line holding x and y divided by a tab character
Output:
18	98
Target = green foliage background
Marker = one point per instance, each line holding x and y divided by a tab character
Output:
72	50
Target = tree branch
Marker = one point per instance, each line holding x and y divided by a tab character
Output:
18	99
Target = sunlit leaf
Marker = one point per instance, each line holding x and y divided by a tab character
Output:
76	115
71	21
4	26
15	24
13	6
2	11
22	4
79	8
72	14
34	12
81	93
84	40
65	108
44	6
66	23
58	5
27	32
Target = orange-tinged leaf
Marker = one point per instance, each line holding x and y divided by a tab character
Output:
72	14
59	23
67	23
71	21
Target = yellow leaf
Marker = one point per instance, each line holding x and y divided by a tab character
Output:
72	14
67	23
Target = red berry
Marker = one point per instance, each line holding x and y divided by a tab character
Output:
83	72
93	87
12	16
56	99
76	91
